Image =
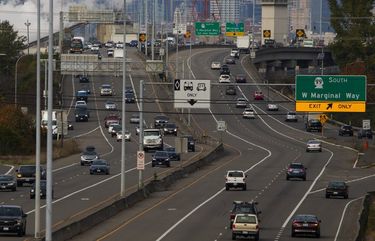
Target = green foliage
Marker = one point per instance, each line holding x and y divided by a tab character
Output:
17	132
352	20
11	45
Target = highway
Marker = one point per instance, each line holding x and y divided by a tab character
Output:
76	193
197	208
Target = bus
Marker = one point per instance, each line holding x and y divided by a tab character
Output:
76	45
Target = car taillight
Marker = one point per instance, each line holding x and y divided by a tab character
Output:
233	226
232	216
296	224
257	227
290	169
314	224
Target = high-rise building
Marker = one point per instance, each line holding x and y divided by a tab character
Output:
300	14
315	17
246	10
225	10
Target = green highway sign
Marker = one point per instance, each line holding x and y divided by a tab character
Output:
207	28
317	88
234	29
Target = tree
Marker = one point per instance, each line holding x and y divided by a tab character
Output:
11	45
352	20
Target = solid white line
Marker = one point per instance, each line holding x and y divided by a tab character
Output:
11	167
342	217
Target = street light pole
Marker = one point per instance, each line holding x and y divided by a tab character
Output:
16	81
321	10
28	39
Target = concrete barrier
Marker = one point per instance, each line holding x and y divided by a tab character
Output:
120	204
367	201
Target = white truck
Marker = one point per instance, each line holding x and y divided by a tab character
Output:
152	139
243	44
118	53
59	122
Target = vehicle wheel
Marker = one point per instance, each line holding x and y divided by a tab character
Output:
256	237
293	234
244	188
320	150
31	197
287	178
152	165
82	164
327	195
20	233
193	150
307	150
304	178
107	173
19	184
317	235
226	187
168	164
233	237
14	189
346	196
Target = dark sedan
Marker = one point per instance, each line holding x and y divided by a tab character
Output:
346	130
83	79
170	128
99	166
160	121
306	224
190	142
230	61
240	78
161	158
338	189
129	97
364	133
8	182
231	90
43	190
173	155
296	170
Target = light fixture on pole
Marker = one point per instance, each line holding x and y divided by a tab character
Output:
28	36
122	185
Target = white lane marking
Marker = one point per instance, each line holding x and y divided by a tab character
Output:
11	167
342	217
88	187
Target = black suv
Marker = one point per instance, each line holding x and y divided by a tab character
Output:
242	207
224	69
314	125
81	114
26	174
190	142
12	220
346	130
296	170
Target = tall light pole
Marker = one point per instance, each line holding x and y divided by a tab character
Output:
122	192
320	29
28	36
153	30
37	124
16	80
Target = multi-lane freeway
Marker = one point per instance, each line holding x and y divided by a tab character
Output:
197	207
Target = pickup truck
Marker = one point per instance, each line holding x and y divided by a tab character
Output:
245	225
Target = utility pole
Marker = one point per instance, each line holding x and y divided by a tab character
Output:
153	30
141	87
146	24
320	28
28	36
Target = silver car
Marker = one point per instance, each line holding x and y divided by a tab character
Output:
110	105
314	145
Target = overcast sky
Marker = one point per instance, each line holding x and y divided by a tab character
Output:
18	14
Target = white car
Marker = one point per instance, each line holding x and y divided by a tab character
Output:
215	65
106	89
235	179
248	113
241	103
234	53
224	78
110	105
119	45
134	119
127	136
314	145
112	126
80	103
110	52
272	107
95	48
291	116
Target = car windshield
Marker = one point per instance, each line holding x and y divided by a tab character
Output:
109	102
346	127
313	142
10	211
27	168
162	117
99	163
170	125
296	166
151	133
106	86
306	218
336	184
291	113
161	154
246	219
235	174
6	178
135	116
170	149
89	153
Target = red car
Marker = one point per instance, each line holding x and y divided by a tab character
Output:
258	95
110	119
306	224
